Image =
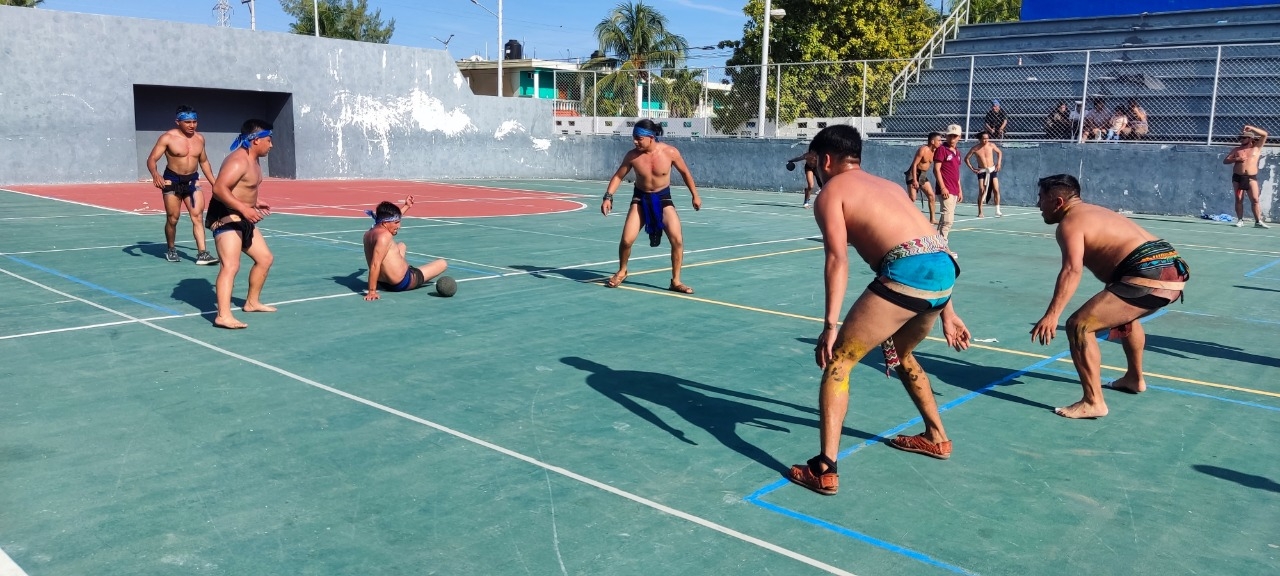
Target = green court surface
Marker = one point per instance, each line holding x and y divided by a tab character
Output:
539	423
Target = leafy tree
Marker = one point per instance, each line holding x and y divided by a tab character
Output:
347	19
828	33
21	3
983	11
633	40
681	89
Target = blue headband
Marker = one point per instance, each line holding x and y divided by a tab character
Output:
244	140
639	132
377	221
184	116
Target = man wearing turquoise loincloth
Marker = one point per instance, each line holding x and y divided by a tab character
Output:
1142	275
651	205
912	289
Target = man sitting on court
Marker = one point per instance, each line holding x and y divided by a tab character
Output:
385	256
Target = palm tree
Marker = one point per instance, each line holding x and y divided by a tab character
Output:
633	39
681	89
21	3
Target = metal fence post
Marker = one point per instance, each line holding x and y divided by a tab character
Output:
595	102
777	100
1084	96
968	101
1213	100
863	116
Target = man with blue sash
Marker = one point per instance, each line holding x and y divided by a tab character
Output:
651	204
183	150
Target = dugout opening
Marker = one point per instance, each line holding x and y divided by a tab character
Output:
221	114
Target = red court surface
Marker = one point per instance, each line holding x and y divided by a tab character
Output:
343	198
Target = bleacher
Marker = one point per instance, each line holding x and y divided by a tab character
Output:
1195	72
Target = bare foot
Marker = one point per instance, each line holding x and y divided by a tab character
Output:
1082	410
258	307
230	323
1130	385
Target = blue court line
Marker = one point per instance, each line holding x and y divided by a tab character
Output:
93	286
1184	392
755	497
1255	271
294	238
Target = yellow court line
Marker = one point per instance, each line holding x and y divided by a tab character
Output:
943	340
740	258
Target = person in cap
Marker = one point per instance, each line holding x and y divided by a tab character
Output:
651	204
996	121
946	170
1244	172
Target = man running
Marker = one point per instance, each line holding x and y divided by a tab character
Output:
990	161
914	278
651	204
183	150
1142	274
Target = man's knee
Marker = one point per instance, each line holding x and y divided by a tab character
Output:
264	260
171	219
1078	328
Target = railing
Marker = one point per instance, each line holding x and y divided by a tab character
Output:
1201	94
935	45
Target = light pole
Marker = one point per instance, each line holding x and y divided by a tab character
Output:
315	11
769	14
253	19
500	47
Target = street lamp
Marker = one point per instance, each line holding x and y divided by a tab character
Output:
769	14
500	48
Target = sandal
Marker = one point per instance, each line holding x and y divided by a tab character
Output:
681	288
826	482
921	445
614	281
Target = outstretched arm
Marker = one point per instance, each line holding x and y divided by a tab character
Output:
404	207
1072	244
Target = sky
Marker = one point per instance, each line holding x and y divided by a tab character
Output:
548	29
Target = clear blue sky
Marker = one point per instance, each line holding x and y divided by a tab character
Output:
549	29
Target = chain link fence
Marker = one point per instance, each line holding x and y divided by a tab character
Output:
1189	94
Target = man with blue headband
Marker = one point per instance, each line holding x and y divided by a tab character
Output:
233	212
386	257
651	205
183	149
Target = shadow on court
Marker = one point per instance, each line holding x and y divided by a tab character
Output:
1246	480
974	377
356	281
1257	288
575	274
716	414
199	293
153	249
1181	347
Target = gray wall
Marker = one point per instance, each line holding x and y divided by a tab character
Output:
84	98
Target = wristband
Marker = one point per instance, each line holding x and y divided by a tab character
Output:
608	197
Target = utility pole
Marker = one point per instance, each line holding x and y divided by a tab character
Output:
253	17
222	12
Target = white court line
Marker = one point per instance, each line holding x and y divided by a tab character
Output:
65	216
354	243
463	436
8	567
69	201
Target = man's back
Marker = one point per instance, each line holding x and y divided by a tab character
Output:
1107	237
877	214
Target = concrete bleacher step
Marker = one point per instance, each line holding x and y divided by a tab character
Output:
1264	13
1076	40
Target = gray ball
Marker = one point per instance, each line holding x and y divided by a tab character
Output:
446	286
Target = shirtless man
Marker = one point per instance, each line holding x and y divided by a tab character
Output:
1244	172
233	212
946	170
918	172
651	204
385	256
183	149
1142	274
809	180
897	310
990	161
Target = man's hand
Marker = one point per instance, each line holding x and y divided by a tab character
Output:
606	207
956	333
913	186
1044	330
825	349
697	203
259	212
408	203
159	182
371	295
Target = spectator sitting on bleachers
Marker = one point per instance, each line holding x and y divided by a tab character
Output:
1077	115
1138	126
996	121
1097	120
1057	126
1119	123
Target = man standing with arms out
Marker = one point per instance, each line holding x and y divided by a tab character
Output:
1244	173
915	276
946	170
990	161
996	121
651	204
1142	274
918	172
386	257
183	149
233	212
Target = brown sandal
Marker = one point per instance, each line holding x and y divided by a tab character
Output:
681	288
921	445
614	281
825	483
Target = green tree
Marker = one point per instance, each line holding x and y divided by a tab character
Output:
21	3
983	11
681	90
346	19
633	41
828	33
